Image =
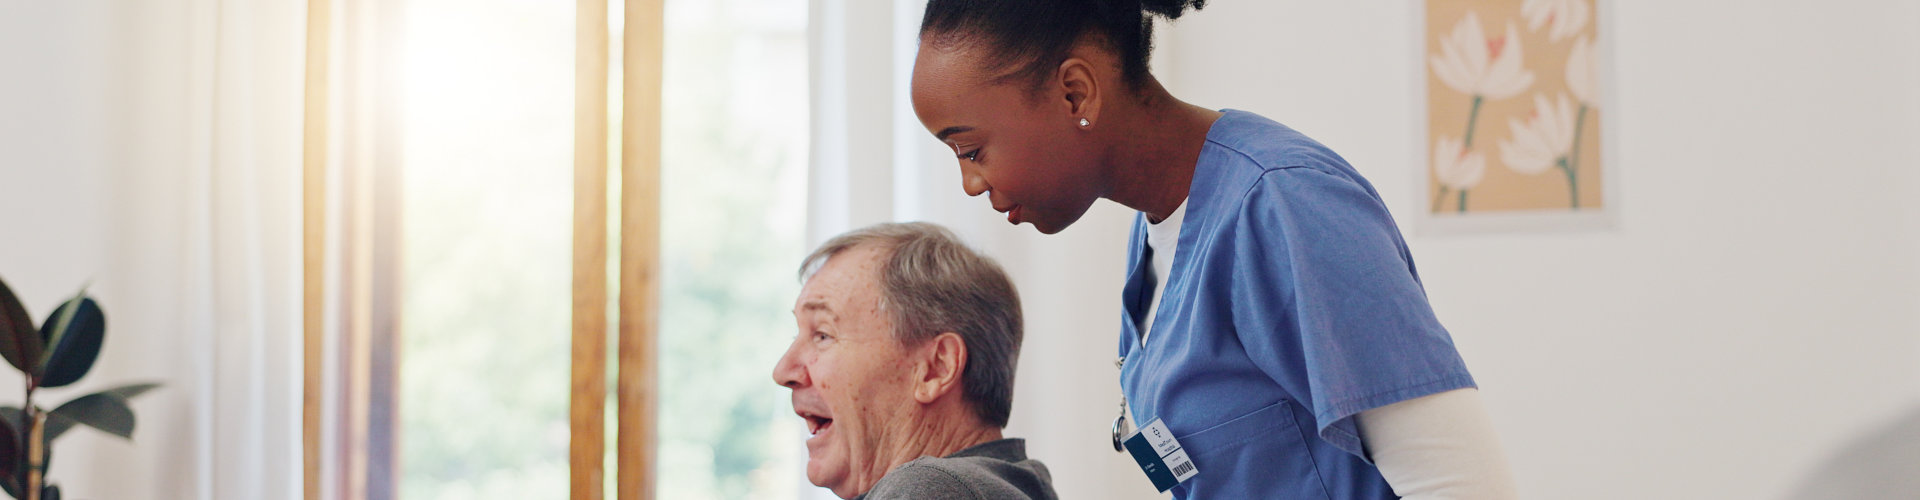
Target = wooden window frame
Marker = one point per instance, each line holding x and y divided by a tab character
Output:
355	347
638	380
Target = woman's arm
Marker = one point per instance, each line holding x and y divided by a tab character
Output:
1440	446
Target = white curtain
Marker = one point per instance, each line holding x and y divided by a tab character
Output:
165	172
874	162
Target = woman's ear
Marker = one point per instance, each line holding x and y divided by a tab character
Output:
1081	90
943	360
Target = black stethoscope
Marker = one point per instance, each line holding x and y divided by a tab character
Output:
1120	427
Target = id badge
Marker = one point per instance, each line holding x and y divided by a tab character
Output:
1160	456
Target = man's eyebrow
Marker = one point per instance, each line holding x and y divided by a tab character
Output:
816	305
942	135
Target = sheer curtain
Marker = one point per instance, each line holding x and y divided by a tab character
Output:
874	162
163	171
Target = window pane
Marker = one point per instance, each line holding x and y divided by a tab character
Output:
734	202
488	118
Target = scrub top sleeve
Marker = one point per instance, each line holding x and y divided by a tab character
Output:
1328	305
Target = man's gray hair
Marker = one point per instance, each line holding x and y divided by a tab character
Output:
930	284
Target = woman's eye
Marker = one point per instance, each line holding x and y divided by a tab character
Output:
973	155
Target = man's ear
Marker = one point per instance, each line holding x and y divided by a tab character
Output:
1081	91
942	361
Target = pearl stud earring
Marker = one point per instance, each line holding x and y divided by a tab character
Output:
1084	122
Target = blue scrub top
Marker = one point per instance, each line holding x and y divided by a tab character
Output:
1293	305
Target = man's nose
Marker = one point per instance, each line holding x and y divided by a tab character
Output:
788	372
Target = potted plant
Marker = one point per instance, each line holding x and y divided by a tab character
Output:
57	353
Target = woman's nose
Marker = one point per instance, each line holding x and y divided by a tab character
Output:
972	182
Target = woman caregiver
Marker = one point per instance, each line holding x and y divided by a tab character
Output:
1274	326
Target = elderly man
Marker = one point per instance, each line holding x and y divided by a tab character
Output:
903	369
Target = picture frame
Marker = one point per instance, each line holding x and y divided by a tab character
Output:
1527	153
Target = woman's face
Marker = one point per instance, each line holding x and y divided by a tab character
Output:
1024	148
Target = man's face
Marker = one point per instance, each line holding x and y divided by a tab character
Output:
850	378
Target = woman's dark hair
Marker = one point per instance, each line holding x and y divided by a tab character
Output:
1036	35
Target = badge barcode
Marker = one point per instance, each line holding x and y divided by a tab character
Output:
1182	469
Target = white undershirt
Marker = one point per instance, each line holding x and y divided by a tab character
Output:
1437	447
1164	239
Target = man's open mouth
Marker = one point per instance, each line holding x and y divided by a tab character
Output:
816	424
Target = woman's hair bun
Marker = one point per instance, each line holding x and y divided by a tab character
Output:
1170	9
1036	35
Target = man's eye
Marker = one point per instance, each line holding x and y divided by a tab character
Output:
819	336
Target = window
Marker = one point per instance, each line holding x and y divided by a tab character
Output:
452	164
486	210
733	219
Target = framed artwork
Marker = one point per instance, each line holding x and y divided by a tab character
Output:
1512	126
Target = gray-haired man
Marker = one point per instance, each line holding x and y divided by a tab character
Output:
906	353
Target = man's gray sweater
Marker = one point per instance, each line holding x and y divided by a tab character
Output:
988	471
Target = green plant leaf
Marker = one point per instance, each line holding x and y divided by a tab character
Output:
102	411
9	450
73	334
15	418
127	392
58	424
19	340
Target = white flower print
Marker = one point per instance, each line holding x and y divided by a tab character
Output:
1455	166
1472	64
1582	73
1542	141
1563	18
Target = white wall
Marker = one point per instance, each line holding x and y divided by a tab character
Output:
1755	306
1754	309
143	146
57	210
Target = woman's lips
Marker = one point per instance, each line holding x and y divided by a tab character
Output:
1013	215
